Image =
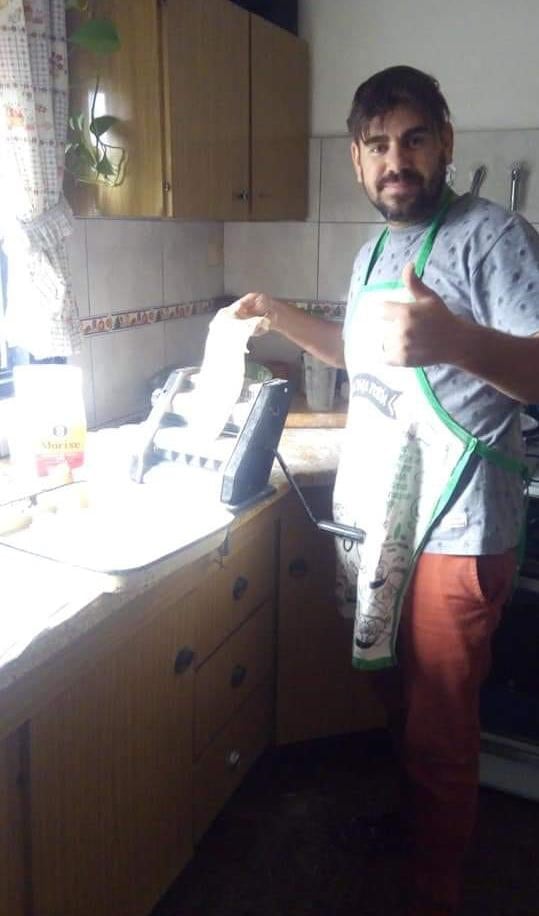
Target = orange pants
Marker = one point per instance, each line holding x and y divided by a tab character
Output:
452	608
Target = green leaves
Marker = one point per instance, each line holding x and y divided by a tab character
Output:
76	123
105	168
88	158
100	126
99	36
80	160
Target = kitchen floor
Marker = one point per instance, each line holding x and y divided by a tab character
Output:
286	844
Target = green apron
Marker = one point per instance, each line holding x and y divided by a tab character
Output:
402	460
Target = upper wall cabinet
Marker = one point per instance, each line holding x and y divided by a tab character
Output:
206	93
213	107
279	123
129	89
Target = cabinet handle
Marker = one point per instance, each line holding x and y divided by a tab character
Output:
183	659
240	587
298	568
167	186
239	673
240	195
232	759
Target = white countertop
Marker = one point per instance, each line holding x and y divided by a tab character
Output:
50	604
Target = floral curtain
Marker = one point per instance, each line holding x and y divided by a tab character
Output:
36	219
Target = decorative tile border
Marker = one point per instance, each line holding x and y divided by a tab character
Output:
102	324
334	310
323	309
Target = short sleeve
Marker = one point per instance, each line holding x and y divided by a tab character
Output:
505	285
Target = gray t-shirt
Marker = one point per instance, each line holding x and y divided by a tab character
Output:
485	266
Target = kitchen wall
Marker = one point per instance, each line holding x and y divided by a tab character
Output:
146	291
484	52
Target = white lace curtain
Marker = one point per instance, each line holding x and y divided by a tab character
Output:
35	219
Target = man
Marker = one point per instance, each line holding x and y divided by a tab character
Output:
441	349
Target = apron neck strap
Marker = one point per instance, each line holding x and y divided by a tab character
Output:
426	247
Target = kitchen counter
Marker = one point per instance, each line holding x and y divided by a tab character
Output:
52	604
301	416
131	716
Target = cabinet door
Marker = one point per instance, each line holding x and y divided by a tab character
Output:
227	760
110	777
279	122
12	846
129	89
318	691
206	67
225	680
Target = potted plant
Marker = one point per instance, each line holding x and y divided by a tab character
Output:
89	158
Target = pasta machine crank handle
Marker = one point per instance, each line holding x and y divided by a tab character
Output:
341	531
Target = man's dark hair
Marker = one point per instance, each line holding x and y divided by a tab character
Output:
390	88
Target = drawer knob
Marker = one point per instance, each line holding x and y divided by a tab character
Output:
239	673
183	660
233	759
240	587
298	568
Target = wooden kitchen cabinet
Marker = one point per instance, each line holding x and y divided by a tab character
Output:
13	853
279	123
133	759
319	693
226	679
129	89
124	747
206	96
235	666
226	761
110	777
213	104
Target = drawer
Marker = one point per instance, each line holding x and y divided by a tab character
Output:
231	592
228	758
226	678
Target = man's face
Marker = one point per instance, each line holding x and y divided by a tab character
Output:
401	163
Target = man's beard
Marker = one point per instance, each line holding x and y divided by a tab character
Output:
419	206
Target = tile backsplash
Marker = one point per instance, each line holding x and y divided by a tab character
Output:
147	288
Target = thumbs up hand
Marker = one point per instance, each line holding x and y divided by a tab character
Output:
421	332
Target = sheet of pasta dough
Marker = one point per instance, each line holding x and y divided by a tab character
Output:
220	380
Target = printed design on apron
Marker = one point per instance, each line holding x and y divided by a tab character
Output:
402	459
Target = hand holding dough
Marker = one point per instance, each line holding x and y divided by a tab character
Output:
253	306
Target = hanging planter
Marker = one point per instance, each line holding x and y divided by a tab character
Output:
88	157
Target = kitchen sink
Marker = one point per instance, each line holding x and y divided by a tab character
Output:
114	527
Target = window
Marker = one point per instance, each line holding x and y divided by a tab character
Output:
6	353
